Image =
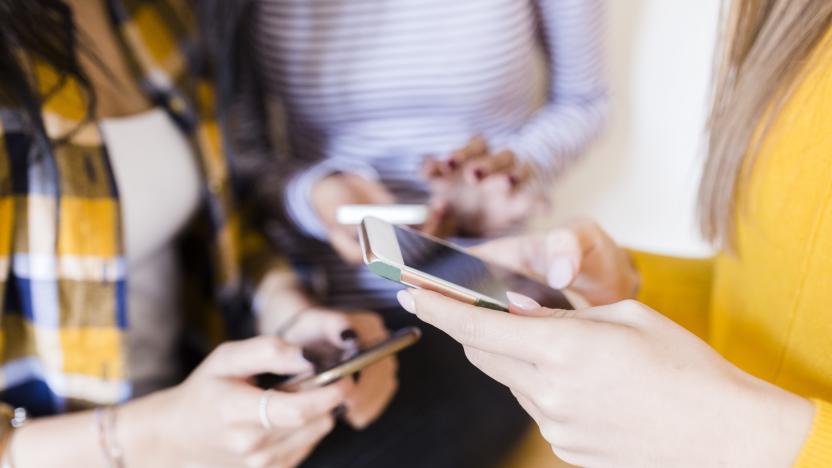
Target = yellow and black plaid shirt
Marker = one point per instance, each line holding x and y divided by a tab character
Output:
62	265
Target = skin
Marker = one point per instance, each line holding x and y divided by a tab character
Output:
212	418
351	189
581	257
619	384
118	93
282	300
474	192
488	191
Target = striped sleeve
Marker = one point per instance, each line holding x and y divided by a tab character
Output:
267	177
298	197
577	102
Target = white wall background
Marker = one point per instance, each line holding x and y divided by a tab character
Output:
640	179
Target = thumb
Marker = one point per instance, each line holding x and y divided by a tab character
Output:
562	261
254	356
346	245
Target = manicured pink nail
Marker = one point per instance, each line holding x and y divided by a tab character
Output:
407	301
522	301
560	273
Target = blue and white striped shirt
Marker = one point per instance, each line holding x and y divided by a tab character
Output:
375	86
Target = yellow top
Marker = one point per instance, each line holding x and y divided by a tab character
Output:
768	308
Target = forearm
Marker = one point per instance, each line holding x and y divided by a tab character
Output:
280	299
75	439
577	104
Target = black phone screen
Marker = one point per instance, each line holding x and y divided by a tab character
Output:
460	268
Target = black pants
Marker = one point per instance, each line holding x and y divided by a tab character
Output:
446	414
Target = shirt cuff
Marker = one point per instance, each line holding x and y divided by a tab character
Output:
298	201
817	451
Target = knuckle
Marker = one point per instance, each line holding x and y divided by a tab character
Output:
470	329
256	461
242	444
222	352
633	310
551	433
549	404
276	347
227	415
305	415
565	348
572	457
293	417
325	427
475	356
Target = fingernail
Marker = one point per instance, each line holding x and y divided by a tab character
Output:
479	174
339	411
407	301
307	356
349	335
522	301
560	273
452	164
513	181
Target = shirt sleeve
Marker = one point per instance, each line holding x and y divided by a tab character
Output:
680	288
280	185
297	201
817	450
576	105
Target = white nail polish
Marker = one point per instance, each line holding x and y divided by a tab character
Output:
560	273
522	301
407	301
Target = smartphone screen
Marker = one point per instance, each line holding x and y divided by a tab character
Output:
340	364
458	267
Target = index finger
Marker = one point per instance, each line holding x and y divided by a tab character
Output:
477	327
476	146
293	410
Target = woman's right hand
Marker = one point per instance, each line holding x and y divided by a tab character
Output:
581	257
213	418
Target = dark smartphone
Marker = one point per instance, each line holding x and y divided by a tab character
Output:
329	369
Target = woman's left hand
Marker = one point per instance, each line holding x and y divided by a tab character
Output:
621	385
376	384
487	191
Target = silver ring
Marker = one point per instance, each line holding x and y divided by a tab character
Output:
264	410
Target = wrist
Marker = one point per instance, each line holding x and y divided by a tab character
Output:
279	300
144	427
776	424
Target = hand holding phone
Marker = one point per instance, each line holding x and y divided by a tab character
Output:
420	261
353	362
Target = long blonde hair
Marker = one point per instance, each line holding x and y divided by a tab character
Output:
759	62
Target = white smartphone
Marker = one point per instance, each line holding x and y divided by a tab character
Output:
417	260
408	215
